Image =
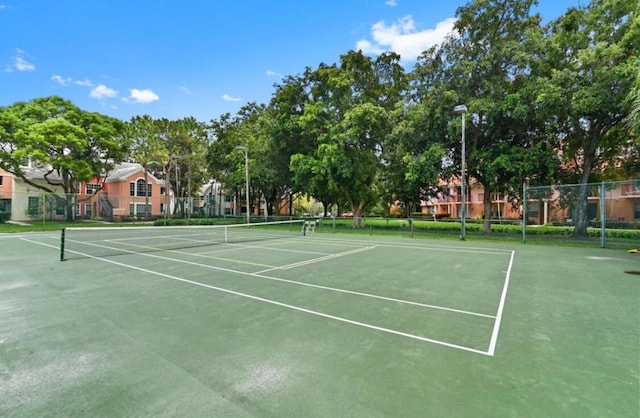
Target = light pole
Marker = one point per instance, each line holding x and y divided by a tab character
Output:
246	176
462	109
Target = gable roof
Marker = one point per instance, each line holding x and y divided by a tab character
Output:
124	171
38	173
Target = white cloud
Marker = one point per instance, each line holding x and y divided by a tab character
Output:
61	80
65	81
19	63
271	73
86	83
103	92
403	38
3	6
186	90
391	3
142	96
230	98
369	48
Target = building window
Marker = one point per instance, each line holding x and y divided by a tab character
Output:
636	209
61	206
33	205
0	180
143	209
139	188
533	210
139	209
90	188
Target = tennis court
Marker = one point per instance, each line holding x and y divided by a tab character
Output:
267	321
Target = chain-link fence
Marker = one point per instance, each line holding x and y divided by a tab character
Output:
606	213
35	205
599	214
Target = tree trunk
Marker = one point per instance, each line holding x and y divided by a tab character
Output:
357	214
581	220
486	216
325	205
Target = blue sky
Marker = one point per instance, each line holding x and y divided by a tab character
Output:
199	58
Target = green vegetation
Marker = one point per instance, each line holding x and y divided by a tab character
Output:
419	229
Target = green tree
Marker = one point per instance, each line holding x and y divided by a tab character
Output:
186	141
344	118
289	137
591	64
251	127
69	145
487	65
147	149
412	162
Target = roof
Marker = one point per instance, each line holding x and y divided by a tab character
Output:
35	173
123	171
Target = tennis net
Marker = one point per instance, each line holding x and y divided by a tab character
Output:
79	242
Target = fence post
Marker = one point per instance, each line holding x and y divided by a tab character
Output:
44	209
524	212
62	238
603	214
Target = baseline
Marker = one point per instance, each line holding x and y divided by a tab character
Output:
422	246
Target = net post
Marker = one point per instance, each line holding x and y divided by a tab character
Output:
226	234
62	235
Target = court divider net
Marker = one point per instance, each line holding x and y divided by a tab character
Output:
79	242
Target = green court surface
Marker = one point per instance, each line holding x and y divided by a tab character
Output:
321	325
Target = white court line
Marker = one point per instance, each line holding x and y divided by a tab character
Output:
272	248
317	260
273	302
503	297
467	250
8	235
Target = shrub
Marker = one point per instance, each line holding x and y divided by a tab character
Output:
4	217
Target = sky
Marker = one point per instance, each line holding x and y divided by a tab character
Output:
200	58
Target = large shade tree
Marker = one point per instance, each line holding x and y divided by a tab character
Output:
250	127
345	114
66	144
147	149
413	160
591	64
186	141
487	64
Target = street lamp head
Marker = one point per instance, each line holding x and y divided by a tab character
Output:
241	147
460	108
